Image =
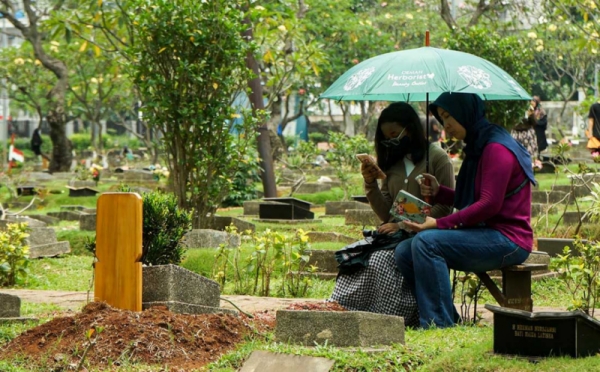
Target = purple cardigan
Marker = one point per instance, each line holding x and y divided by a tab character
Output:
498	173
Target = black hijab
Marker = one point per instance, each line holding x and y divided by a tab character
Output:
469	111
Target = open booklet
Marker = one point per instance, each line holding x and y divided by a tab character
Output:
407	207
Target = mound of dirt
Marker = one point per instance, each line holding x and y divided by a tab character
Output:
317	306
154	336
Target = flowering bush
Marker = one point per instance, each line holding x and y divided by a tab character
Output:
596	156
159	172
14	253
95	172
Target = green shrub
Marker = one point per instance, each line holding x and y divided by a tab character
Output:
83	141
317	137
164	226
244	179
14	253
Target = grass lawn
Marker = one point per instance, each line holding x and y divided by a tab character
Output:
462	348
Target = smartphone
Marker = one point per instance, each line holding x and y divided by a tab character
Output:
368	159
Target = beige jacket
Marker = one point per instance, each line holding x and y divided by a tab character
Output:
381	200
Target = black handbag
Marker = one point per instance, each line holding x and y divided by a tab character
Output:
354	257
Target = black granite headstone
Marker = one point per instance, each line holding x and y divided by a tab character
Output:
568	333
360	198
285	209
82	191
26	190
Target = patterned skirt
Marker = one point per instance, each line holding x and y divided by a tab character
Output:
378	288
528	139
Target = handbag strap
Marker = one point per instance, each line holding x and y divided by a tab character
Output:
519	188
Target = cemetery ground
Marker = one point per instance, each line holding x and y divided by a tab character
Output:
158	340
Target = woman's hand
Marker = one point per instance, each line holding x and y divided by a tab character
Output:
368	171
429	185
430	223
388	228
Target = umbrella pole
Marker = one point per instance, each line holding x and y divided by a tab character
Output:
427	131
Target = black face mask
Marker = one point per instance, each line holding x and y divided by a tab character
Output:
398	151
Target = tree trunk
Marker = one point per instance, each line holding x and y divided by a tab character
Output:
61	146
264	143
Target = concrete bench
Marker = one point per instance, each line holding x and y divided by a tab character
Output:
516	285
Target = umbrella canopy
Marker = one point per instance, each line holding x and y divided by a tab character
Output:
423	74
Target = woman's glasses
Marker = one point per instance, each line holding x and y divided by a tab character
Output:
393	141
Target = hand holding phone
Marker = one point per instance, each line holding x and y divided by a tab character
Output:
370	167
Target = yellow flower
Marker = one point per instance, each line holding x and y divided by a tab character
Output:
594	50
387	16
282	28
539	48
552	28
409	16
38	62
19	61
258	7
532	35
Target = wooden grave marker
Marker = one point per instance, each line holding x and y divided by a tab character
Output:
118	277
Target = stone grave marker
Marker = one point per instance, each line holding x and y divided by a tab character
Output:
79	183
87	222
26	190
180	290
10	309
339	208
313	187
361	217
285	209
321	236
42	240
325	262
543	334
545	197
573	218
554	246
48	220
207	238
222	222
338	328
265	361
118	277
360	199
10	306
66	215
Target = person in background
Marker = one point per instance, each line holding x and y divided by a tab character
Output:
36	144
541	124
400	146
525	134
593	131
492	227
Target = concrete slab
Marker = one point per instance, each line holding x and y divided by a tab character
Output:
50	249
166	283
265	361
338	328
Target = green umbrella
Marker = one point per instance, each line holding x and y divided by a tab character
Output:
422	74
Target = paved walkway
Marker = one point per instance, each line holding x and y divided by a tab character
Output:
75	300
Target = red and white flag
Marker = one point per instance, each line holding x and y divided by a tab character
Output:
14	153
